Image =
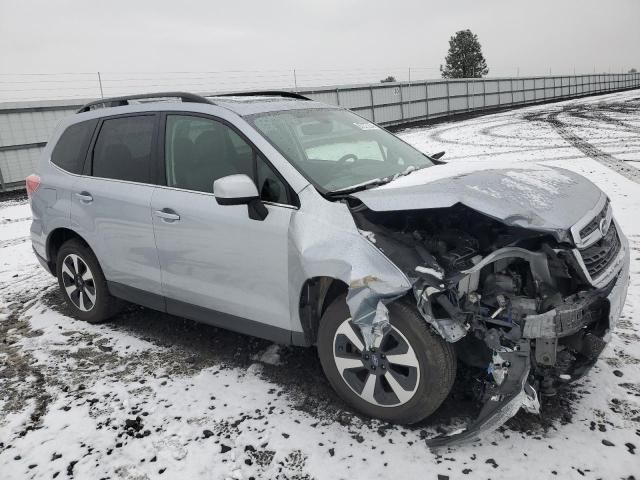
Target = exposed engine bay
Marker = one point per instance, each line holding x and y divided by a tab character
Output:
518	304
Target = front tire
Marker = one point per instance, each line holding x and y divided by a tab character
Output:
403	381
83	284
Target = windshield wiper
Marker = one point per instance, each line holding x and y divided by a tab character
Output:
376	182
361	186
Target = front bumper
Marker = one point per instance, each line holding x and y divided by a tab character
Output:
515	393
618	294
573	315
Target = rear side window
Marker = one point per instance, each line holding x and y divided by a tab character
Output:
123	149
71	150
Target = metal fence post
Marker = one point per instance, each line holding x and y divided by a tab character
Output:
468	97
373	107
401	103
484	93
1	181
448	100
512	99
586	85
426	99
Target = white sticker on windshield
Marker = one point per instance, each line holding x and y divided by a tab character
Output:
366	126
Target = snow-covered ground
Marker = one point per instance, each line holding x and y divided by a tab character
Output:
147	395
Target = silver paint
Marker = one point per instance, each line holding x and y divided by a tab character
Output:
216	257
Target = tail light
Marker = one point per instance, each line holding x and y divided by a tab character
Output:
33	183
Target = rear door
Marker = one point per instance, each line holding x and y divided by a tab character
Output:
51	203
111	205
214	257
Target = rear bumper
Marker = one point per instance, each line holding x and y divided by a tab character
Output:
43	262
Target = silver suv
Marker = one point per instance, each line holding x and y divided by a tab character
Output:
305	224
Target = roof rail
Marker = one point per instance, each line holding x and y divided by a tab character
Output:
122	101
265	93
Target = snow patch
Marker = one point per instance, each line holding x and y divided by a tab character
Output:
530	194
368	235
550	180
453	169
491	192
4	311
271	355
430	271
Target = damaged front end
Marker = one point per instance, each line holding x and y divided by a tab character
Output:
529	310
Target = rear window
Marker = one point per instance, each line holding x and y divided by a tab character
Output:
123	149
70	151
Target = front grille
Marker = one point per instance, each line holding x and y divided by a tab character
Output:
594	224
599	256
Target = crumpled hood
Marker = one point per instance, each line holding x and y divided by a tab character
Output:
521	194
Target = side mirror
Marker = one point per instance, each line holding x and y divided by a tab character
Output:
240	190
235	190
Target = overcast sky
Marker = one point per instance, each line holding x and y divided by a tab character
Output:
273	35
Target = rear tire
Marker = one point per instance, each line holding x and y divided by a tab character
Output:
83	284
413	369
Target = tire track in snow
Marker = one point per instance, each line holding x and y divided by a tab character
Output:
13	241
5	221
563	129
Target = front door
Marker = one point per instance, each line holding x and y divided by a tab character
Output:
215	259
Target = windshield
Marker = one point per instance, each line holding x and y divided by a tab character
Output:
337	149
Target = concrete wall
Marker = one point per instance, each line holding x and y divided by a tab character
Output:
25	126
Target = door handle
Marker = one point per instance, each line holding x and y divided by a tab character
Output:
167	215
84	197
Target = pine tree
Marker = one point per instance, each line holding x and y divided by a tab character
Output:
464	59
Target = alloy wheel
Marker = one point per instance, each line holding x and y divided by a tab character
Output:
79	283
387	376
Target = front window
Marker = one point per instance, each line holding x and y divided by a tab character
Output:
336	149
200	150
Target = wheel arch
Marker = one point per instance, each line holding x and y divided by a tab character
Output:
316	295
56	239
